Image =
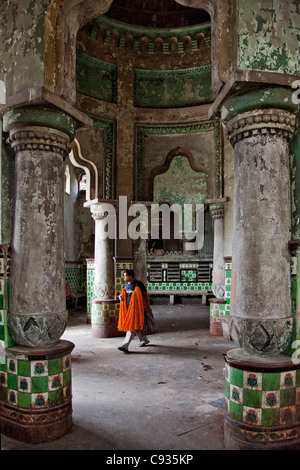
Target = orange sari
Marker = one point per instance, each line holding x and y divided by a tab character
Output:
132	318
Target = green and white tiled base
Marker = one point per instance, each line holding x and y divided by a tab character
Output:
262	402
104	319
35	392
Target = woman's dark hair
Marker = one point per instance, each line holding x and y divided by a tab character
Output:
130	272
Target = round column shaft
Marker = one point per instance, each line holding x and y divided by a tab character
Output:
105	308
104	216
260	312
37	315
218	275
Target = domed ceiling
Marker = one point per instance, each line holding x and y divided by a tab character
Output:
156	14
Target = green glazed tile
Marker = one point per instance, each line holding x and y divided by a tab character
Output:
12	381
55	366
271	381
227	389
236	411
55	398
39	384
270	417
24	368
67	378
287	397
236	377
24	400
252	398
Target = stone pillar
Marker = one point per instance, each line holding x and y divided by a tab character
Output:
35	398
260	314
37	316
105	307
261	392
218	274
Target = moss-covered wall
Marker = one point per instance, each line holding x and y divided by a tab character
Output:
268	35
180	184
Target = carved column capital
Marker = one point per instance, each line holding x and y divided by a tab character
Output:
99	215
38	138
263	122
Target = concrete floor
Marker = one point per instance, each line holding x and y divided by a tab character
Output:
166	396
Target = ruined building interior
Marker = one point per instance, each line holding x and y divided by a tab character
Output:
123	106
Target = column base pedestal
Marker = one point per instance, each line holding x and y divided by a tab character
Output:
239	437
35	393
104	318
262	402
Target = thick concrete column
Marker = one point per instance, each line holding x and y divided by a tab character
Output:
104	284
36	396
261	379
261	321
104	317
38	315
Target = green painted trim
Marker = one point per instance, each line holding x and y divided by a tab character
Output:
265	97
40	116
173	88
96	78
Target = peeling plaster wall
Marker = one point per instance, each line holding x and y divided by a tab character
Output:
269	32
22	40
70	231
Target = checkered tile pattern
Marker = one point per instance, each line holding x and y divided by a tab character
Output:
263	398
35	384
179	286
76	276
105	312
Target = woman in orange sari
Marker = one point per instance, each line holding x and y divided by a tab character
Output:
134	301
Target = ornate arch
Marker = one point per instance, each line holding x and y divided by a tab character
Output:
223	39
63	19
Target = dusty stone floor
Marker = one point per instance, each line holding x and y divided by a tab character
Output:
166	396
